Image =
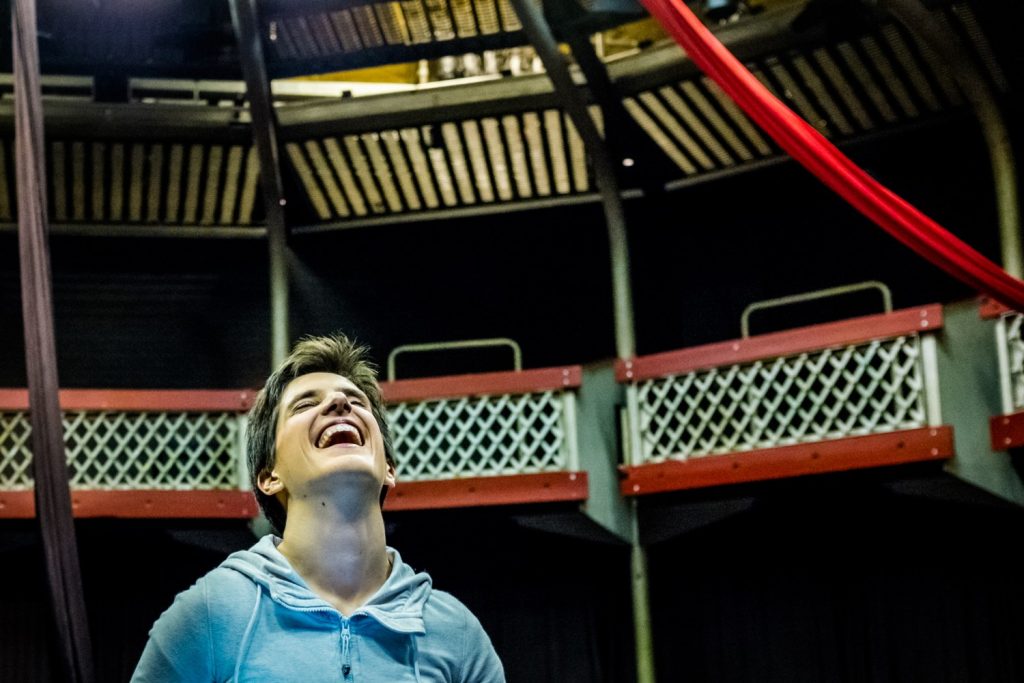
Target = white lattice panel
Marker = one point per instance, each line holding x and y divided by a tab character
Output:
830	394
122	450
1014	382
480	436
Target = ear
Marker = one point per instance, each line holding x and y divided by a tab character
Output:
269	483
389	477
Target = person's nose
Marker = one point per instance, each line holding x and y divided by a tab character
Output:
337	403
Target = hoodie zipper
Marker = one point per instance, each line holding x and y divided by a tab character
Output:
346	653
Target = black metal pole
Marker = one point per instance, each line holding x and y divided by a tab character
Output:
539	32
245	19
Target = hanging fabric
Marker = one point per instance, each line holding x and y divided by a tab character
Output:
49	465
811	149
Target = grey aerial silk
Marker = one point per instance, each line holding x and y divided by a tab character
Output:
49	466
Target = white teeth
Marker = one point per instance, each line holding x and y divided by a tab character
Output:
325	437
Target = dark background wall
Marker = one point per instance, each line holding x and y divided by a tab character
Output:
147	313
842	580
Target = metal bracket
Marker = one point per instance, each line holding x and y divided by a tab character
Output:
517	353
813	296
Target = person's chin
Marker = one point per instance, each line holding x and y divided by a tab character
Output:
357	465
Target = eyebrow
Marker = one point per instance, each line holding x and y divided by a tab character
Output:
310	393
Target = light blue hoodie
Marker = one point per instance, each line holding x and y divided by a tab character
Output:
253	618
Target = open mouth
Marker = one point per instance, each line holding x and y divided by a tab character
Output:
339	434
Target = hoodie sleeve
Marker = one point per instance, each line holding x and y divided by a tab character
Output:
179	646
480	663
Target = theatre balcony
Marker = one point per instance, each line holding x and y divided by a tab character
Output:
498	438
888	393
135	453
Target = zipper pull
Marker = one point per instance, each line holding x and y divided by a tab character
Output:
346	655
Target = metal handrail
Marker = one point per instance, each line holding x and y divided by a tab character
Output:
517	354
812	296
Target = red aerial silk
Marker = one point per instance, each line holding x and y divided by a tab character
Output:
809	147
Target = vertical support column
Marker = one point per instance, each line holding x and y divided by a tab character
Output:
245	19
49	462
540	35
636	453
572	450
642	634
1005	374
241	457
930	366
641	605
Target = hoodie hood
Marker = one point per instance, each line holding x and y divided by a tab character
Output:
397	605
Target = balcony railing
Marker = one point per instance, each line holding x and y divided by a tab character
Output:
136	453
493	438
856	393
851	394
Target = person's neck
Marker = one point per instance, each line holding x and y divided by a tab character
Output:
340	553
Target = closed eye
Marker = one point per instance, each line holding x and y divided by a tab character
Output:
302	405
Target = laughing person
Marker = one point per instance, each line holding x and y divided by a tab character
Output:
328	600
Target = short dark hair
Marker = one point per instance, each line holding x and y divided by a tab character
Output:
334	353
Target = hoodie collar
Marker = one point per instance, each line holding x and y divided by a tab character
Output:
397	605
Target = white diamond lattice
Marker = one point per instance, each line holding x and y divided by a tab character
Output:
479	436
830	394
125	451
1015	353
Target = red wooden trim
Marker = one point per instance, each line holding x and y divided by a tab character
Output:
522	382
140	504
548	487
837	455
1007	431
786	343
989	308
171	400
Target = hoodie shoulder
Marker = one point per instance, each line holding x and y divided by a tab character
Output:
444	605
449	621
228	591
192	638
